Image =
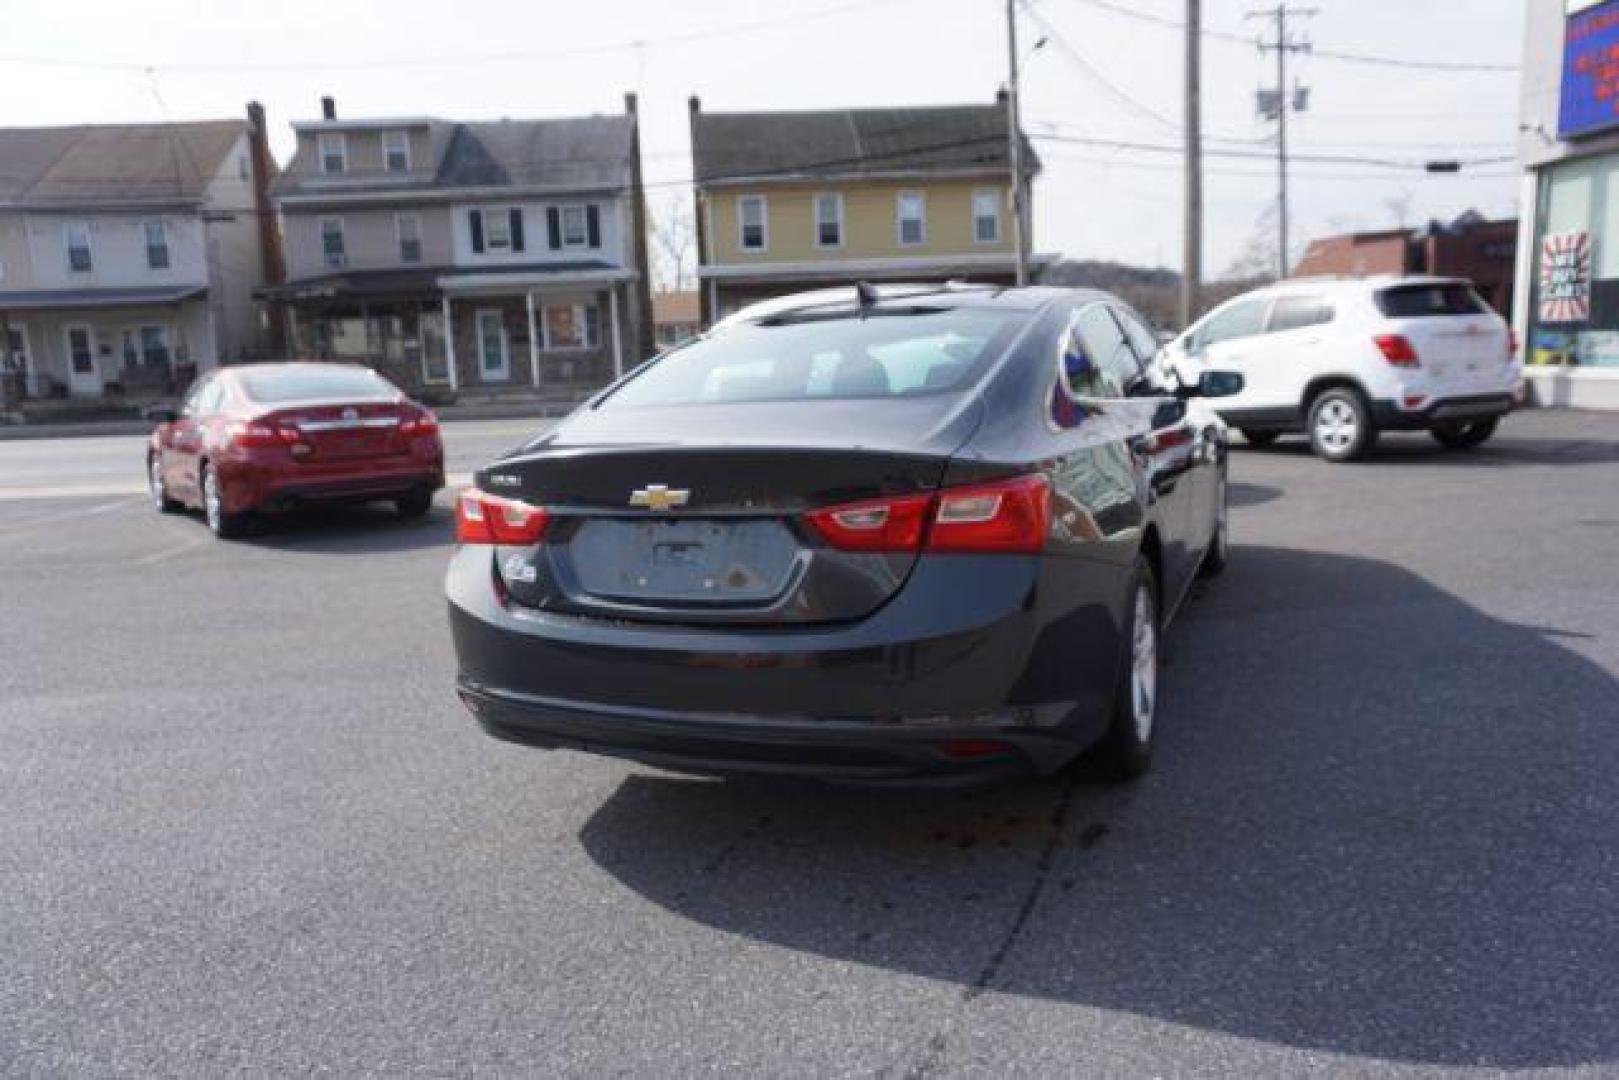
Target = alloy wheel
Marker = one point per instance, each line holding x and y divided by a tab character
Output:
1144	664
1336	425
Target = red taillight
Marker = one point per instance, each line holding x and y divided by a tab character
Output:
1398	350
256	435
1005	516
419	422
1512	343
482	518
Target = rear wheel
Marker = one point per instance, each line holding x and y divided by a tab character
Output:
1464	435
1260	438
1341	426
159	489
414	505
221	523
1127	748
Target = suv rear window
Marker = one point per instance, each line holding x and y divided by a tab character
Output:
1419	301
274	386
884	354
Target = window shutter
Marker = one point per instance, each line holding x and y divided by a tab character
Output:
553	225
475	218
593	225
517	228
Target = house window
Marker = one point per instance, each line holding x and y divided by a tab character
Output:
331	241
829	220
410	237
750	216
243	172
157	245
987	217
77	235
575	227
334	157
497	230
913	223
396	151
572	326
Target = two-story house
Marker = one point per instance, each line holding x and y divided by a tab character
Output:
129	254
468	256
799	200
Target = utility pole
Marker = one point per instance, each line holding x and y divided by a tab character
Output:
1014	138
1192	261
1274	105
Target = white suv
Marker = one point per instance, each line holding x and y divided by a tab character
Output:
1342	360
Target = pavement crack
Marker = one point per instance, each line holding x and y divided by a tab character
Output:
1031	897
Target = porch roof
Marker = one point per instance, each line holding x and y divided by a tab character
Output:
428	283
58	299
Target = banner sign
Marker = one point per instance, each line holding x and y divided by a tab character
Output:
1565	277
1590	99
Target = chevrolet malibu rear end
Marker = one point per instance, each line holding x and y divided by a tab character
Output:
800	546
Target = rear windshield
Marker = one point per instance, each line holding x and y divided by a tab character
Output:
279	385
882	355
1418	301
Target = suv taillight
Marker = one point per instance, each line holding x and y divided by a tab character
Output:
482	518
1005	516
1398	350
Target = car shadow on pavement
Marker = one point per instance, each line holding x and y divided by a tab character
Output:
1417	448
1381	824
367	529
1241	493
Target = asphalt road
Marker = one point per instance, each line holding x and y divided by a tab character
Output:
245	825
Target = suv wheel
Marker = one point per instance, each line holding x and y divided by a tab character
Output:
1464	435
1340	425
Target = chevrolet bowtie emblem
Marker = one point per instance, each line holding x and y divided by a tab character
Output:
659	497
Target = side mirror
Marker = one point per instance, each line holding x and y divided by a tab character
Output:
161	414
1213	384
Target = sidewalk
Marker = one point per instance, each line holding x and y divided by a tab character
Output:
450	414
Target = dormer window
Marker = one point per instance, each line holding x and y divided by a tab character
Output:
334	157
396	151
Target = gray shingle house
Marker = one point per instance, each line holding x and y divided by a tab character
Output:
459	256
129	255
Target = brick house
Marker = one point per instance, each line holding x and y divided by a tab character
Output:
461	257
1470	247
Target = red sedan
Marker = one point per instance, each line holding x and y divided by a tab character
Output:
263	438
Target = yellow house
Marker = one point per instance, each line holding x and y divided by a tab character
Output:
788	201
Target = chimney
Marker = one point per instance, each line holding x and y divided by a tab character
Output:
272	259
694	104
328	108
1001	96
630	104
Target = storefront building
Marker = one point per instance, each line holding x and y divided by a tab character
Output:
1567	313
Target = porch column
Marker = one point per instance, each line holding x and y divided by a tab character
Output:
618	337
533	341
449	346
713	302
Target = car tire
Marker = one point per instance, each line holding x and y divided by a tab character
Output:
224	525
1340	425
414	505
1218	552
1260	438
1126	750
159	489
1464	435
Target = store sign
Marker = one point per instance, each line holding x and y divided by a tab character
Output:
1565	277
1590	70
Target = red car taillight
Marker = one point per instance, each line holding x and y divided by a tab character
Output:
419	422
254	435
1006	516
1398	350
1512	344
482	518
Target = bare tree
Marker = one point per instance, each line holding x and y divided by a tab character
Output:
1257	259
674	242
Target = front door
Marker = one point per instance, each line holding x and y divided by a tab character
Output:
494	350
18	359
83	377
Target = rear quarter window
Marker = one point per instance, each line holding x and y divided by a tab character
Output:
1421	301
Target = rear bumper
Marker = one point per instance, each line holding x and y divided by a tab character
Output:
249	486
1389	416
1009	649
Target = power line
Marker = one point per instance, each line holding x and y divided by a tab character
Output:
1090	71
1326	54
1318	159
